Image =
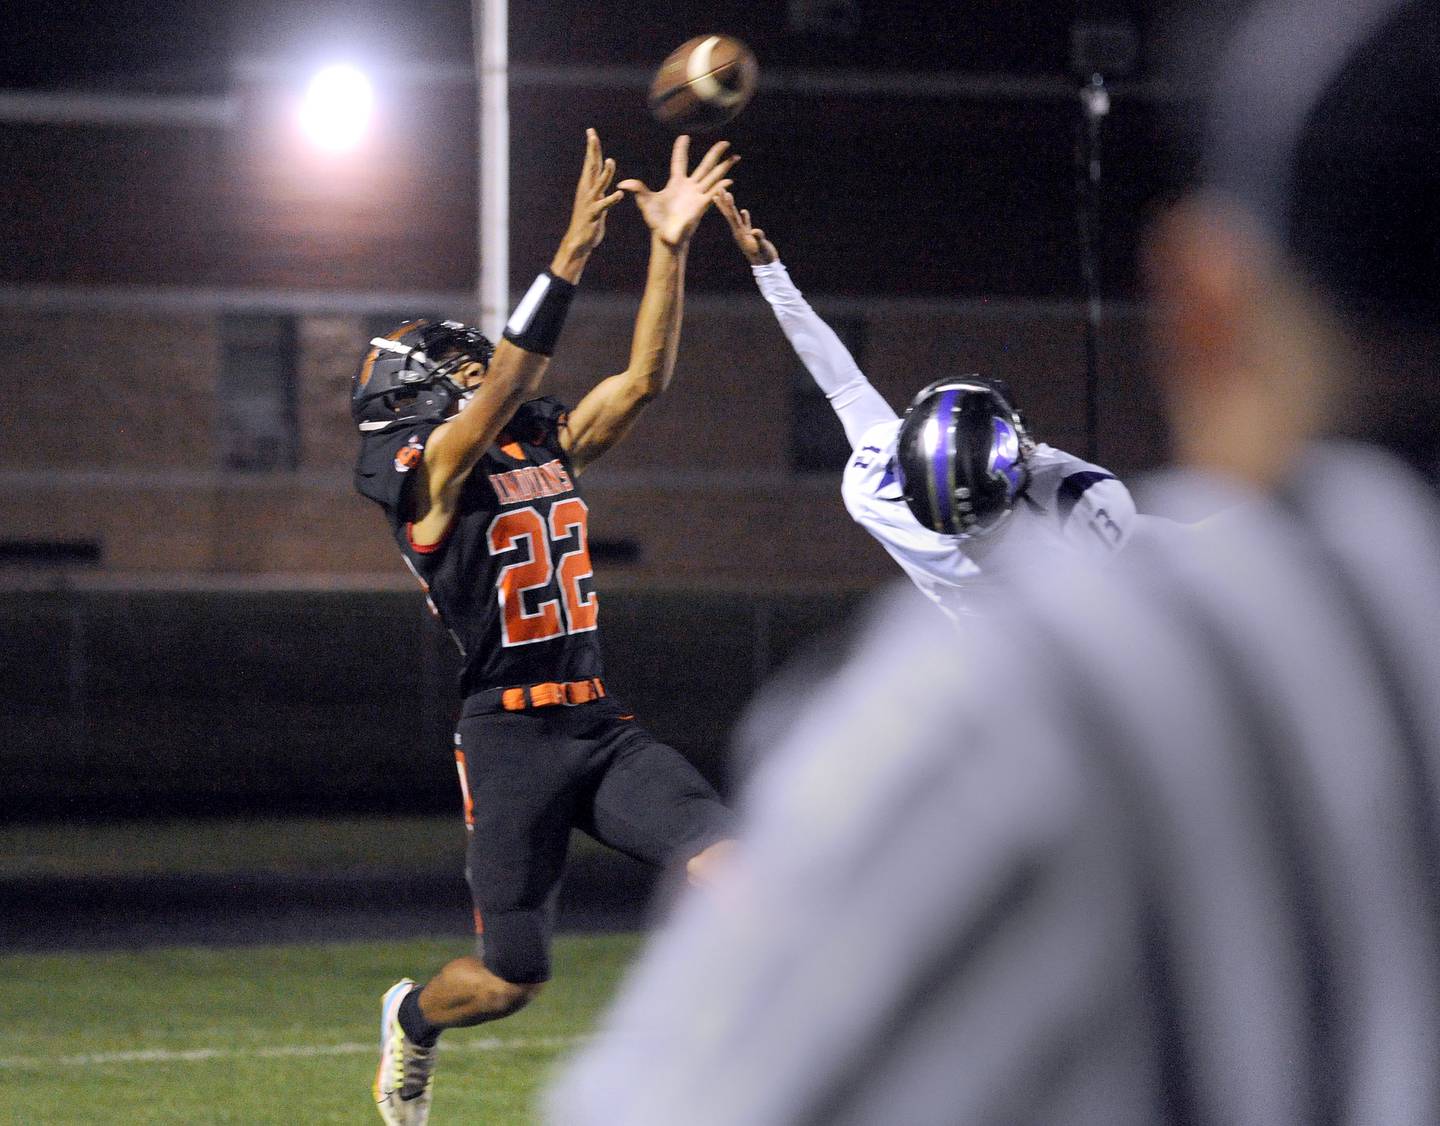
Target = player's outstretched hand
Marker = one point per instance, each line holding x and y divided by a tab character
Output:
675	210
751	240
593	198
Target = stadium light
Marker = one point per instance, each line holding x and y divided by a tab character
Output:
335	113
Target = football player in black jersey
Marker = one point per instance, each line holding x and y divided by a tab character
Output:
479	480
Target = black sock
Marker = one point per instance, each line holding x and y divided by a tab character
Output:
417	1029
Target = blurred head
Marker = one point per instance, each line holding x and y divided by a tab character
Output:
419	370
1296	290
962	456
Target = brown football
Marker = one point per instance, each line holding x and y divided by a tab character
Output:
703	84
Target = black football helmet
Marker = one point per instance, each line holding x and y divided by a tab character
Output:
962	456
406	375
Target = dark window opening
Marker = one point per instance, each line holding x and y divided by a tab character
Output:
259	425
50	553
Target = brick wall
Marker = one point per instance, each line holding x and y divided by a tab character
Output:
113	440
82	390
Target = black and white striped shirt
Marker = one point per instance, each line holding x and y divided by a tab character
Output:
1160	844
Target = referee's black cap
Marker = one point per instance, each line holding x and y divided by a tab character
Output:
1324	124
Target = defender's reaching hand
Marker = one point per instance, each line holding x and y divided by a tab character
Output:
751	240
675	210
593	199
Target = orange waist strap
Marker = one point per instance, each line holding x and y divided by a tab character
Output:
549	695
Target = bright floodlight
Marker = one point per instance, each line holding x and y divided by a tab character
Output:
336	110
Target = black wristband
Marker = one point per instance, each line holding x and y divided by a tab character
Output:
536	322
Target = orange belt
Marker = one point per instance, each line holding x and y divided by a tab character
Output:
548	695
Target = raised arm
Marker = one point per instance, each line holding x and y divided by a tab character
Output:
825	356
607	412
520	359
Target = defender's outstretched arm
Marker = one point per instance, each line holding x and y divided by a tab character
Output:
824	355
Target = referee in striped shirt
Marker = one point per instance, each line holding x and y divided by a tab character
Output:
1161	844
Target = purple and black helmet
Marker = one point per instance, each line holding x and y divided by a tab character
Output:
961	456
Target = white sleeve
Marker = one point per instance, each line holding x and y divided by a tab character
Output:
829	362
1099	512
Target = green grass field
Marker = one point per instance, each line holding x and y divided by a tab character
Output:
284	1034
227	845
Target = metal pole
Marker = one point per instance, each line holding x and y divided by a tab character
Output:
490	22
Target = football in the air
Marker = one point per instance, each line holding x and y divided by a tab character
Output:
703	84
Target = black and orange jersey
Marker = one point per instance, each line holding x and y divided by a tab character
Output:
511	579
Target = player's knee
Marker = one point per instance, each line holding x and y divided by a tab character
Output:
516	948
520	969
704	867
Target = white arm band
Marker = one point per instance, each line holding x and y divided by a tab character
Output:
827	359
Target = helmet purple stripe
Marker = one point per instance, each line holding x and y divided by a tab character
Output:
943	461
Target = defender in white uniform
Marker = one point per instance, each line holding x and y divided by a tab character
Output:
956	492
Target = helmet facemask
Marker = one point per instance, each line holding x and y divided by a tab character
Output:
410	374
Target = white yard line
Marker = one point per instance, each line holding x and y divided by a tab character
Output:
293	1051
